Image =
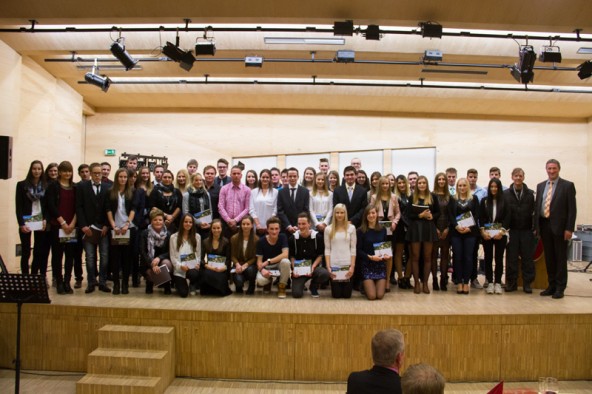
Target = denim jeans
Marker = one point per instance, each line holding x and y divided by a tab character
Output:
91	260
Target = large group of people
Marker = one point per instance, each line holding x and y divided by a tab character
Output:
203	231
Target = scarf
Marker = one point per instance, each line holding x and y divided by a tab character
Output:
35	193
155	239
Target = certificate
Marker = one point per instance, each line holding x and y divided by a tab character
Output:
466	219
189	260
387	225
493	229
302	267
34	222
121	239
320	218
340	271
204	216
67	238
216	261
383	249
274	273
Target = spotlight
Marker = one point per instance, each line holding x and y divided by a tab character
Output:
431	29
185	59
522	71
102	81
432	55
253	61
205	48
550	54
345	56
373	32
585	69
343	28
118	50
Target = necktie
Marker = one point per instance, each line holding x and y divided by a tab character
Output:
292	192
350	192
97	188
547	211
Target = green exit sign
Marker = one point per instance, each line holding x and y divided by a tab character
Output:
109	152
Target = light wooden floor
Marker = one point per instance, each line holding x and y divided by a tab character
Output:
398	302
60	383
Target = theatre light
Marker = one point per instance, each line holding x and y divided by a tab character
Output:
372	32
550	54
345	56
102	81
585	69
118	50
207	47
431	29
522	71
345	28
184	58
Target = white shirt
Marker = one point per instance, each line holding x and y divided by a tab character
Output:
175	254
342	247
262	207
321	206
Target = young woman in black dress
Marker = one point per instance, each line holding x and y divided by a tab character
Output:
442	244
403	193
373	266
214	280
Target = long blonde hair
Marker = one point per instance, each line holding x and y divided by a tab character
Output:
468	192
427	199
334	221
315	189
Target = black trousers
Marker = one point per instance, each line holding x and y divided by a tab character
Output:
520	248
40	252
555	256
498	256
341	289
58	250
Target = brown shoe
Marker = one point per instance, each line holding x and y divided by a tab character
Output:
281	290
426	289
417	288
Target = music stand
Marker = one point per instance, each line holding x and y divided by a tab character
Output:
22	289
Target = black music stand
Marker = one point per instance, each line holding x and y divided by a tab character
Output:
22	289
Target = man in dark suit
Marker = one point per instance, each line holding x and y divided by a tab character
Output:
353	196
292	201
555	218
388	352
91	221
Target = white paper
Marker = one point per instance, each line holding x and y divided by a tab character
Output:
215	261
383	249
189	260
302	267
34	222
67	238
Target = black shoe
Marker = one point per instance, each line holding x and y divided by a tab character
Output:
402	284
90	289
78	284
60	287
549	291
526	287
167	290
135	281
116	288
443	285
393	281
104	288
239	290
149	287
510	287
124	287
67	288
435	285
558	294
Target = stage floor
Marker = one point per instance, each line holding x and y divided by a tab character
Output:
397	302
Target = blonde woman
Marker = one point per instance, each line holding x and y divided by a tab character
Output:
321	203
403	193
387	209
182	181
340	250
195	200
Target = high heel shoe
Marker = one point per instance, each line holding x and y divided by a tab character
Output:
435	285
402	284
426	289
459	289
466	289
417	288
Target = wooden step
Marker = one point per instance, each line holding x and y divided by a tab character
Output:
136	337
132	362
119	384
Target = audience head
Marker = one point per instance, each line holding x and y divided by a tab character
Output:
388	348
197	182
422	379
35	173
494	190
157	219
320	185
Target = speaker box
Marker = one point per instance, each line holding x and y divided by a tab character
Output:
5	157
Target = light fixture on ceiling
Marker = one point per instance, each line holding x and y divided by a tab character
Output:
118	50
253	61
345	56
208	46
585	69
176	54
584	51
102	81
302	40
372	32
522	71
432	55
345	28
431	29
550	54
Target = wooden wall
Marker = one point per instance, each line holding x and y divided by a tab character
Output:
313	347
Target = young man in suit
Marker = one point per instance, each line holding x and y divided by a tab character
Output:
555	219
292	201
91	221
388	353
354	197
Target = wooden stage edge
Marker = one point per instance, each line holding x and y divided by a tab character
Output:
512	337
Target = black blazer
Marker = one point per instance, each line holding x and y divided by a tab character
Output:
90	207
378	380
288	210
502	214
563	210
23	204
355	208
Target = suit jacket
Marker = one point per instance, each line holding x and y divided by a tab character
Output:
288	209
89	207
355	207
563	209
378	380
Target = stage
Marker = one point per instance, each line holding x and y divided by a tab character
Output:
479	337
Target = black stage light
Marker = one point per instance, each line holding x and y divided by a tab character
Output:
185	59
523	70
431	29
345	28
101	81
550	54
345	56
373	32
118	50
585	69
205	48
